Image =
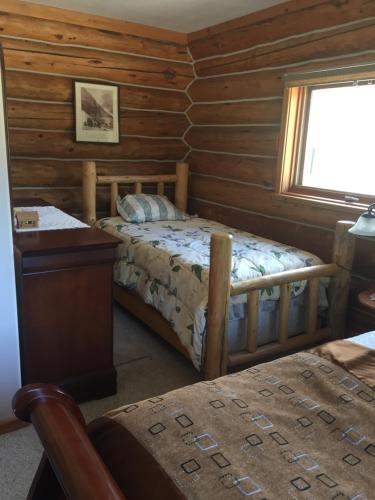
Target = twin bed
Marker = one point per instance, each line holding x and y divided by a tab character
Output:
222	297
166	263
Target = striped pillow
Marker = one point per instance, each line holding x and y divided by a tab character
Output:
147	208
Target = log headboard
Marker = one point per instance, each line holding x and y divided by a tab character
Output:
90	180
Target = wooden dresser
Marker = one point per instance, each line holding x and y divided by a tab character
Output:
64	286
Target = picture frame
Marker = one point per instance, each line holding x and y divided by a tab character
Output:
96	112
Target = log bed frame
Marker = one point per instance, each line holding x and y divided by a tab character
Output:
216	359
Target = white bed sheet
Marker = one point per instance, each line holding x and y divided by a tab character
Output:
366	339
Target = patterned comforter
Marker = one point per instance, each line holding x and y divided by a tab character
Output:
167	264
301	427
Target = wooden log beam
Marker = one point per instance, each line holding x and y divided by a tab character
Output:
290	51
312	307
285	291
246	86
86	20
90	63
283	278
70	199
89	192
60	88
62	145
52	116
249	140
62	31
62	173
252	320
257	170
216	349
238	195
114	196
267	82
181	191
343	253
275	23
266	111
275	348
130	179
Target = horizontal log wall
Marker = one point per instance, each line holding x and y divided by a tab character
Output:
236	116
224	114
45	50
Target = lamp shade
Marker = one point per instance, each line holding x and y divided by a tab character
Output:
365	225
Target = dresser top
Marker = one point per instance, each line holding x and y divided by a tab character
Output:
66	240
59	240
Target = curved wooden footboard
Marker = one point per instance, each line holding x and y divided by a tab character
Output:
62	430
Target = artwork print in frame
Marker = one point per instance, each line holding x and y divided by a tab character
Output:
96	112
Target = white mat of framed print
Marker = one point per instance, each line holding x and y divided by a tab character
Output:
96	112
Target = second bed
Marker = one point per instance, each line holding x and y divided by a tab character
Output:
221	296
167	264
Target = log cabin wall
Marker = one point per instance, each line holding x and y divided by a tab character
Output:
45	50
223	112
236	116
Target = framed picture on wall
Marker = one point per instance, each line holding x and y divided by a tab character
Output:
96	112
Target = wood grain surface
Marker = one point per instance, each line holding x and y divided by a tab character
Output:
45	50
241	67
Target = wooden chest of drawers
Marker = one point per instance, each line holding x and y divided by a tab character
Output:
64	287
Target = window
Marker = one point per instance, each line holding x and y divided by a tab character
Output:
328	151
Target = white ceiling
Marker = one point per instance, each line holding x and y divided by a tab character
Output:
179	15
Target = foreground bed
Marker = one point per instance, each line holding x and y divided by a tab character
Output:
217	357
299	427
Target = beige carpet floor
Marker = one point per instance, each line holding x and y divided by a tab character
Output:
146	366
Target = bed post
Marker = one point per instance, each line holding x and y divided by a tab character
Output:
72	458
181	192
343	254
216	349
89	192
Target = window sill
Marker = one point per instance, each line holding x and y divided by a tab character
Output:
342	208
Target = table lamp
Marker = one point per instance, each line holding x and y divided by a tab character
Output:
365	225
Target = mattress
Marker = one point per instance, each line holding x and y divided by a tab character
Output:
167	264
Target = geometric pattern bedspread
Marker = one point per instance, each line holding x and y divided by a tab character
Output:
300	427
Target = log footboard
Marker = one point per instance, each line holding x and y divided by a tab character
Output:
217	358
70	455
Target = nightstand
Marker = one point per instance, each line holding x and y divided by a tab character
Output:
64	289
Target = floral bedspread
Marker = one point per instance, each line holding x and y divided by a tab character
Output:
167	264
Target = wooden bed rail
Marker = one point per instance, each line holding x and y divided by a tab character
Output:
90	180
62	431
283	278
